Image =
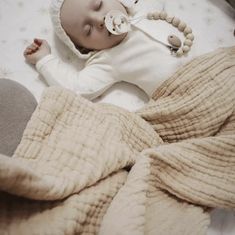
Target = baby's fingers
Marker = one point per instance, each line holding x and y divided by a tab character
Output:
32	48
29	50
38	41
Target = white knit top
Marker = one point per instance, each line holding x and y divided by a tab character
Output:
138	59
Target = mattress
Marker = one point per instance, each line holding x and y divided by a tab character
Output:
212	21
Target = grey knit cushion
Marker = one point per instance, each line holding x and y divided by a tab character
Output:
16	107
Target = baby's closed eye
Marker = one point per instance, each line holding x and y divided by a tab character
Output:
98	5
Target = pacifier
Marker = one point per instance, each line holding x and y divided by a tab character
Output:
117	22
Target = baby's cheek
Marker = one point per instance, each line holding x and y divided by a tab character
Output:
118	38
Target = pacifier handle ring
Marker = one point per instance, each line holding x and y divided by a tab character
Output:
182	27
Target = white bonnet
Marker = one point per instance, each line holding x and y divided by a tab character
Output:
55	17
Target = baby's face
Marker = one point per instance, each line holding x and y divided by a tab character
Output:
83	21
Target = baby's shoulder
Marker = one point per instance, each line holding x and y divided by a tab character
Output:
99	57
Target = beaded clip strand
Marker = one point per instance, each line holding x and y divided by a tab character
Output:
118	23
182	27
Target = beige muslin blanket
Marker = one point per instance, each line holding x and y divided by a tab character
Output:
85	168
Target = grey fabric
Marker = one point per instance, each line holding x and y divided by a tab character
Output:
231	2
16	107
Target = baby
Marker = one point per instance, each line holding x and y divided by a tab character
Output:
131	56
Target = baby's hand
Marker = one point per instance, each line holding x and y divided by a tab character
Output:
36	51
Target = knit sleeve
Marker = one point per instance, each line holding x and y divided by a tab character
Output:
90	82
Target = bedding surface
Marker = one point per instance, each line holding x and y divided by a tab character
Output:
212	21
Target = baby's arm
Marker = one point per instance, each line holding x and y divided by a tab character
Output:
90	82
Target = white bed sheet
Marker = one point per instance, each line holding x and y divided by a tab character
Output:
212	21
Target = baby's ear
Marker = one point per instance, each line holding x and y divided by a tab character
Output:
129	3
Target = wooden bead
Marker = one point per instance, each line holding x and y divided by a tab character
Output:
156	15
188	42
179	52
176	21
163	15
169	19
187	30
190	36
185	49
174	41
182	26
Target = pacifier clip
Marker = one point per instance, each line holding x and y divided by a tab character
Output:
118	23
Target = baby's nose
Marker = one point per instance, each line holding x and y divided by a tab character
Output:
99	20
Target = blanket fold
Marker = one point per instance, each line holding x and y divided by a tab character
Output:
69	168
197	170
197	101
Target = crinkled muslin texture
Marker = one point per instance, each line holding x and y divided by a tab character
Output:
98	169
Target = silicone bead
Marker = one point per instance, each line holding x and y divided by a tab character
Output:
188	42
176	21
187	30
156	15
163	15
182	26
190	36
185	49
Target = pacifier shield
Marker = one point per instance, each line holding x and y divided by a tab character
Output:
117	22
